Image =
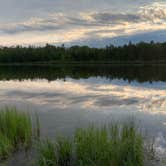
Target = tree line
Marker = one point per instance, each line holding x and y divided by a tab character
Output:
141	52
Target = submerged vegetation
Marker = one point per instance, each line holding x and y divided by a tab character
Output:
115	145
16	131
140	52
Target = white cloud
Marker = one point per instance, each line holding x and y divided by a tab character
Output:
156	12
61	28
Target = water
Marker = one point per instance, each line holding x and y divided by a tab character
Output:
68	97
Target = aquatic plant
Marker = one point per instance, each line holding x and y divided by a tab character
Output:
16	131
54	153
46	155
115	145
64	151
5	147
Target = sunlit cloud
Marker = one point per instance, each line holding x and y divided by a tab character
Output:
156	12
60	27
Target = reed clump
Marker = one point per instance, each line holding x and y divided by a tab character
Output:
16	131
107	146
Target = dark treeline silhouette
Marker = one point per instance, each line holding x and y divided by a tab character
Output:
139	73
140	52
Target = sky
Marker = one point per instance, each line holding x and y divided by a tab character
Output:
81	22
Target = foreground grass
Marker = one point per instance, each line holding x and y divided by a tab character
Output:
114	145
109	146
16	131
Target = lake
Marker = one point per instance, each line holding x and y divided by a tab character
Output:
67	97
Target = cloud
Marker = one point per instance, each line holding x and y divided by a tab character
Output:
111	18
33	24
96	41
63	27
155	12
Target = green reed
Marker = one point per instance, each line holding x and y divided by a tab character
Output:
16	131
106	146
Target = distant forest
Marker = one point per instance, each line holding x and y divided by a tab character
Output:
140	52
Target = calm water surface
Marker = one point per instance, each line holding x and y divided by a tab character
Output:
68	97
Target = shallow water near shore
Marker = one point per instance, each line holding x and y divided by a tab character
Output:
66	98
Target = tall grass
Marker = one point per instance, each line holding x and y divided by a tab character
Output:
5	147
64	151
16	131
55	154
107	146
47	156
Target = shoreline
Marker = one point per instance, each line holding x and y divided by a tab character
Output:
85	63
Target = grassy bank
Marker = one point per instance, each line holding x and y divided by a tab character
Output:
115	145
16	131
